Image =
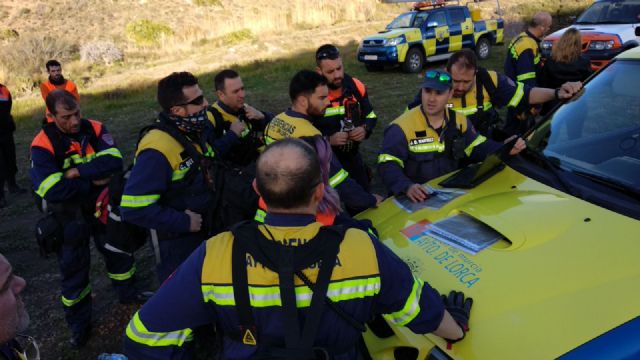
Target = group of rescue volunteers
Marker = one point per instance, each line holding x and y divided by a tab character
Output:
249	213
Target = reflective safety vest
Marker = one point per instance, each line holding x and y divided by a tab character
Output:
521	43
47	87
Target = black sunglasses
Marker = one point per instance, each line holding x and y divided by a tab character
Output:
196	101
330	53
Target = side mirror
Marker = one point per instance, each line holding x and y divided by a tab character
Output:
573	18
637	30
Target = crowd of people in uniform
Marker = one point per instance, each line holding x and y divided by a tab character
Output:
262	276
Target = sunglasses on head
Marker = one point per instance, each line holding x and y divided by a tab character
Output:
330	53
440	76
195	101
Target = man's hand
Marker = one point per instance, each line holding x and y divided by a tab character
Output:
460	310
568	89
252	113
339	138
101	182
417	193
357	134
379	199
238	127
195	220
518	147
72	173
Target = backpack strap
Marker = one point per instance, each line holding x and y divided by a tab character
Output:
61	143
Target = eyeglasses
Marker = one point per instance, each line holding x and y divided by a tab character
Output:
440	76
30	350
331	53
196	101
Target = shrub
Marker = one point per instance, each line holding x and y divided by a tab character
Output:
207	2
8	35
237	36
27	55
100	52
147	32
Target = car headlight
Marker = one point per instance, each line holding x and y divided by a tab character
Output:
601	45
395	41
546	45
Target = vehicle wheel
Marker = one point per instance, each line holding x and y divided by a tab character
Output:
414	61
373	67
483	48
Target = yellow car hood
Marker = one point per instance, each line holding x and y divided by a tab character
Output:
568	272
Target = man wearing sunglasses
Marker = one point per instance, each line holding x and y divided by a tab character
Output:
429	141
168	189
14	318
350	118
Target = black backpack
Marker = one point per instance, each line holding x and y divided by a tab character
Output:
288	262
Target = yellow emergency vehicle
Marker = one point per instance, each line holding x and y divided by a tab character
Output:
432	31
547	243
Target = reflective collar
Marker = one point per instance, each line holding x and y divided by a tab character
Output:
289	220
532	36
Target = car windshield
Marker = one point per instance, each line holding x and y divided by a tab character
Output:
611	12
402	21
597	135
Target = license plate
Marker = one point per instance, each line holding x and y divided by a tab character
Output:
371	57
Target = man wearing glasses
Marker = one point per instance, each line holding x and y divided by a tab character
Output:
14	318
168	189
429	141
350	118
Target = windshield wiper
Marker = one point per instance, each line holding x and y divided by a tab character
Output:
610	182
552	164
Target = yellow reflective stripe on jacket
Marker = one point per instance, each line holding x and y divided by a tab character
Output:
479	140
48	183
136	201
526	76
372	115
124	276
338	178
260	215
411	308
383	158
179	174
470	110
269	140
110	151
515	100
332	111
136	331
210	152
266	296
424	148
70	302
536	60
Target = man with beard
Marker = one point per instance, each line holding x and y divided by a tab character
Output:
14	318
168	190
56	81
429	141
477	92
350	118
310	97
231	112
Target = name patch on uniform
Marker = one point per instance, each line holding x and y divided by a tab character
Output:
186	164
281	127
421	141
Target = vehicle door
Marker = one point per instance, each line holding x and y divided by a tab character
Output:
436	35
460	29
